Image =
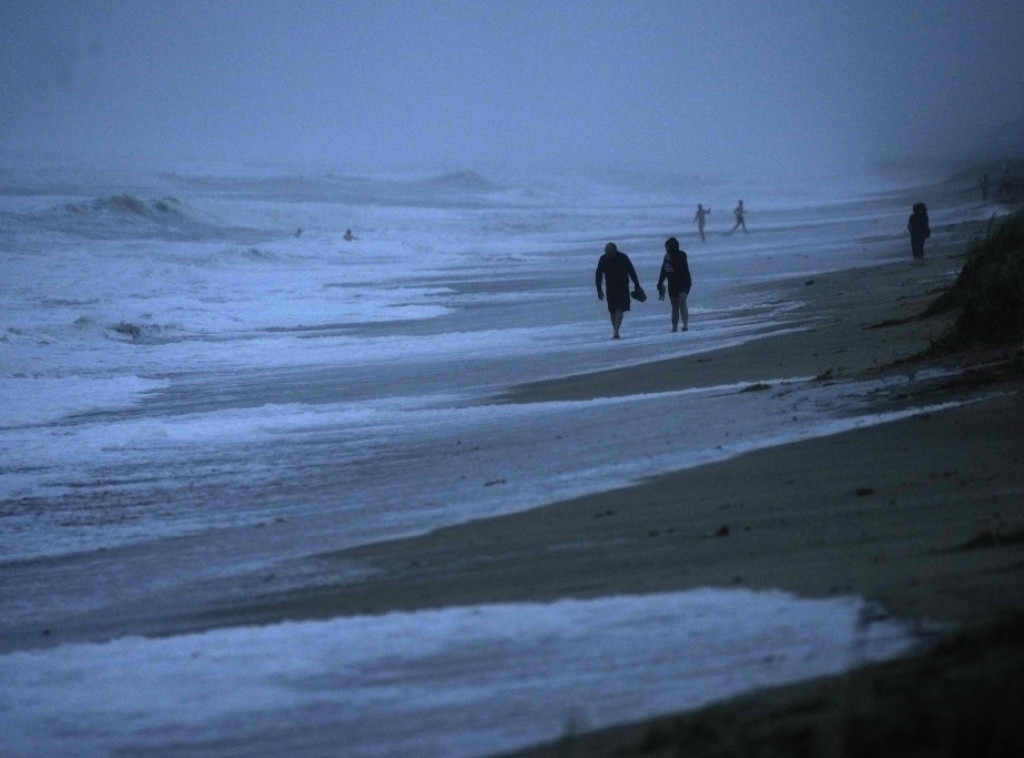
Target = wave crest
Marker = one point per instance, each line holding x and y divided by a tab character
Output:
130	205
128	216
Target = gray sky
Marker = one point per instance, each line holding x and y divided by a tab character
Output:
680	86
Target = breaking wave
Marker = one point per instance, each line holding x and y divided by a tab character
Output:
126	216
130	205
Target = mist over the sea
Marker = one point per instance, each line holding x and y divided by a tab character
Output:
737	89
276	275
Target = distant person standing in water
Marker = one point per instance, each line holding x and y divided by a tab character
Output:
617	269
739	213
919	230
676	271
701	219
349	236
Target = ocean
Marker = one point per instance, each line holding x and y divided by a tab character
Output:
202	379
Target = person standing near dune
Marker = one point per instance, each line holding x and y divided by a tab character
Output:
919	230
675	270
616	269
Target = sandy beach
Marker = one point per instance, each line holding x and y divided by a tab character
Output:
921	516
917	511
884	511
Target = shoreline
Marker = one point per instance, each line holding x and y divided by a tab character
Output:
950	548
919	515
630	540
838	327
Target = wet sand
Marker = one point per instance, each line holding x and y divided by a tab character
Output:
883	511
921	515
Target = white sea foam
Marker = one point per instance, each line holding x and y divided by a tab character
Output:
35	400
455	682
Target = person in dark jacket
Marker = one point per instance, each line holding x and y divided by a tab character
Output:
919	230
617	269
676	271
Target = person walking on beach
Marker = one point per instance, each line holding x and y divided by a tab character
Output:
701	219
739	212
617	269
676	271
919	230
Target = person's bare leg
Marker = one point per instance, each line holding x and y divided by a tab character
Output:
675	313
684	311
616	323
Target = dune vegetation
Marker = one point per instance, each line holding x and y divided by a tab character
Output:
989	291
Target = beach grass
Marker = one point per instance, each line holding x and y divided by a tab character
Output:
989	291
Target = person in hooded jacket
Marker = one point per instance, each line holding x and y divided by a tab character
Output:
919	230
676	271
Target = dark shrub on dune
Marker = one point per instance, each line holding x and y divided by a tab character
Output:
989	290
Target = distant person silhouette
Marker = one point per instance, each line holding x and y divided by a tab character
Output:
298	232
919	230
616	269
739	213
676	271
701	218
349	236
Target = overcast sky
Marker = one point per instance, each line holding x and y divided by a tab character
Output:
680	86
